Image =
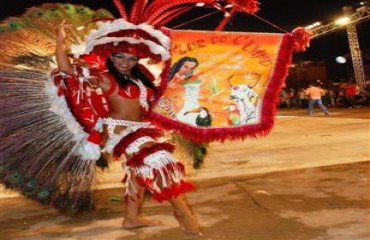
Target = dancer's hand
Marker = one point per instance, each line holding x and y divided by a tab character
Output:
61	31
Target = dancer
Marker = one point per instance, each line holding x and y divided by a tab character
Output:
149	162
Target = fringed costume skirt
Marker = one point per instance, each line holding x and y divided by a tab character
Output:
148	159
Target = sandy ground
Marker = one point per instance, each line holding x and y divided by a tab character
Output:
308	180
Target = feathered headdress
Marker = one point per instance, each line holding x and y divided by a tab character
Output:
142	33
120	35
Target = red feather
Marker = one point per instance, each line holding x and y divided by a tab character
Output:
137	10
302	38
121	9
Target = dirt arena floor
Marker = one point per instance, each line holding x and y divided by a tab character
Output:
307	180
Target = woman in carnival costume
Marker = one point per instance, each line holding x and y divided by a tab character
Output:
129	92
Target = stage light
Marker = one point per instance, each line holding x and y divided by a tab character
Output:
341	59
342	21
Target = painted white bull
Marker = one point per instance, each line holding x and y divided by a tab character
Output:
243	96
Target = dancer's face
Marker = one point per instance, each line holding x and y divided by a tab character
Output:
124	62
187	68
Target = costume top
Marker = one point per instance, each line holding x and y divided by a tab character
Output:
131	90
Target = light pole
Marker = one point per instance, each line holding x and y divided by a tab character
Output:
350	20
354	46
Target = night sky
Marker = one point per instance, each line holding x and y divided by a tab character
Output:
285	14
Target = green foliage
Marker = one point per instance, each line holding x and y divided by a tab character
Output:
196	151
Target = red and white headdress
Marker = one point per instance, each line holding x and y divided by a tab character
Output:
142	33
120	35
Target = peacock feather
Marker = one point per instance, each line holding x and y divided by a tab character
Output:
38	154
36	29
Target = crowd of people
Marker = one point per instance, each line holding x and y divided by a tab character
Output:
345	95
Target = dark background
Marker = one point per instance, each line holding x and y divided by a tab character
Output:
273	16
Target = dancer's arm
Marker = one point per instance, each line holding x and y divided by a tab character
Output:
62	58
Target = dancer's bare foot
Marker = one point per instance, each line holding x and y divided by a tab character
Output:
188	224
140	223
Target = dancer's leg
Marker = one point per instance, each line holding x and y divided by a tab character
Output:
134	202
184	216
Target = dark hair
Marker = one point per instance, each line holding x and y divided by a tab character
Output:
176	67
136	73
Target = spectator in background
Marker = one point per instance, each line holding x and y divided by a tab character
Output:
303	101
341	98
351	91
331	94
361	100
315	94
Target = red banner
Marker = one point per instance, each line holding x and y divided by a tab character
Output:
223	85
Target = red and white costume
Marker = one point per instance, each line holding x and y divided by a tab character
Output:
139	143
146	155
